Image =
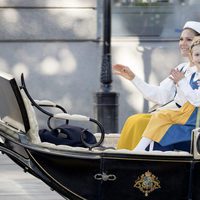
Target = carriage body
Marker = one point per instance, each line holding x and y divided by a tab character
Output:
93	173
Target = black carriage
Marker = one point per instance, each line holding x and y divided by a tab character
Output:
93	172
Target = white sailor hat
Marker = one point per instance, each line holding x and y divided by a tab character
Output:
193	25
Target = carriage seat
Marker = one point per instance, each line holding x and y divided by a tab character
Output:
18	116
109	141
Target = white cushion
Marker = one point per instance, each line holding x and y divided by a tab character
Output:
34	129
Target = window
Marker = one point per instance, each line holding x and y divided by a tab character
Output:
152	18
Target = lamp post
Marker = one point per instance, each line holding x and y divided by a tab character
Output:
106	101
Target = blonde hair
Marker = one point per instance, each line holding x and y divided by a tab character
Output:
195	42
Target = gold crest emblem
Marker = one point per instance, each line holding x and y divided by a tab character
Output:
147	183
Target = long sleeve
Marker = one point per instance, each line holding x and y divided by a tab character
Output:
158	94
165	92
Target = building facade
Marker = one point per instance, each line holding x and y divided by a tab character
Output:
58	47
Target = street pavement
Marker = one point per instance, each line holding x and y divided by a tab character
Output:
15	184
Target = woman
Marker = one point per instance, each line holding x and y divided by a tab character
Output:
168	127
162	94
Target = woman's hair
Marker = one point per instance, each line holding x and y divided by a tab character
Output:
195	42
195	32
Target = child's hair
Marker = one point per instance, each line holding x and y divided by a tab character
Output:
195	42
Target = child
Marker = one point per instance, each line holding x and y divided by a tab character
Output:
168	127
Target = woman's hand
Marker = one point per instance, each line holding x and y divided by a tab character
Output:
123	71
176	75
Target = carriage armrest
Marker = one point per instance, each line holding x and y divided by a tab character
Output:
45	103
74	117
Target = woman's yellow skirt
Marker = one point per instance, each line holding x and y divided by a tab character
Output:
132	131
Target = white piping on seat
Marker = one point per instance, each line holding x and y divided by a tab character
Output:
62	148
108	142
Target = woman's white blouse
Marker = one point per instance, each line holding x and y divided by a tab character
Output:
168	91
